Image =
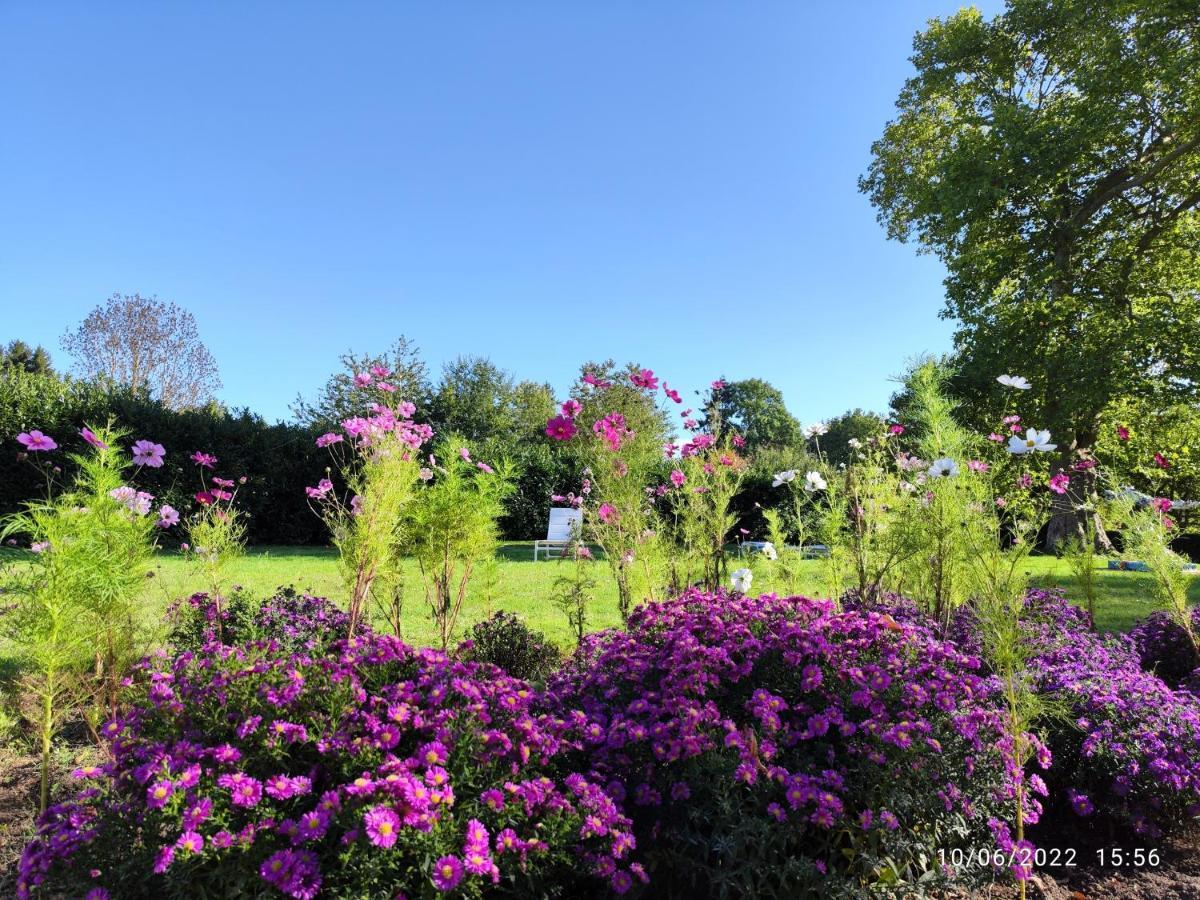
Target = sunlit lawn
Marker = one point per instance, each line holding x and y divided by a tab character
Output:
523	586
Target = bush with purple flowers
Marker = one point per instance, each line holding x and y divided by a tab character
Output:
373	770
1131	747
1165	649
772	747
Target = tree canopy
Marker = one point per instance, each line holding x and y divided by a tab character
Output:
1050	158
145	344
754	409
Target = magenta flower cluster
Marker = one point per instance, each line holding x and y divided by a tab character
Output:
373	768
843	732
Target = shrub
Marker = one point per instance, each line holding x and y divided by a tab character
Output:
506	641
1165	649
1128	748
758	744
194	621
374	770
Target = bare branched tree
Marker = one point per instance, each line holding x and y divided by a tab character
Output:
147	344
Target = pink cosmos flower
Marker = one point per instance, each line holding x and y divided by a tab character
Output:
739	441
39	546
1162	504
464	453
1161	461
148	453
167	516
36	441
1122	433
976	465
607	513
447	873
678	478
328	438
998	438
718	385
561	428
644	379
596	381
205	498
223	482
362	379
382	826
896	429
204	460
671	393
571	408
1059	483
485	468
380	371
90	436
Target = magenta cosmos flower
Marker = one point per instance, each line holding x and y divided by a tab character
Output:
1059	483
90	436
561	428
678	478
447	873
36	441
328	438
204	460
148	453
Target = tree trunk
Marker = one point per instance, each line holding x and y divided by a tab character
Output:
1069	512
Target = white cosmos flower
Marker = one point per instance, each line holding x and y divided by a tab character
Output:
1014	381
854	443
943	467
783	477
816	429
1033	440
814	482
740	580
768	550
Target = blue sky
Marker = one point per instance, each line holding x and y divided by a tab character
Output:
539	183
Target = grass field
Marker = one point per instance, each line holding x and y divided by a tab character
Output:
521	585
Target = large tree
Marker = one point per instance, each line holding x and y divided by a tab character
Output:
754	409
1051	158
148	345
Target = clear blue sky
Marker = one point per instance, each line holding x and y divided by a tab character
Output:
540	183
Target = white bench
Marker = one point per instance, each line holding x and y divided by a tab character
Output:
564	526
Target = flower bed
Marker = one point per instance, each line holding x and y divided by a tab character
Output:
764	747
376	770
719	744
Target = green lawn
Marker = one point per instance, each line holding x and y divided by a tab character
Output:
523	586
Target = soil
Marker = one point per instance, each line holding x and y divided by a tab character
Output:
1177	877
19	781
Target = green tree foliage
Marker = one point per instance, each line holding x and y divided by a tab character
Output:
1049	158
852	425
30	359
1138	429
753	409
338	399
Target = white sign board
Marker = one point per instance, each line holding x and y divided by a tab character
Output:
564	523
